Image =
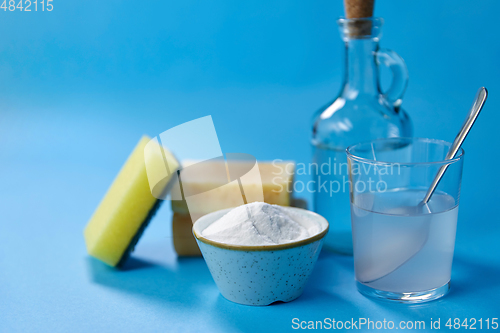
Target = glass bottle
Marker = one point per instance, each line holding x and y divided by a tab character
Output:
361	112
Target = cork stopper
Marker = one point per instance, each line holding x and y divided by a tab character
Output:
359	9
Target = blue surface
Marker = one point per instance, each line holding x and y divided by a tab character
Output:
80	85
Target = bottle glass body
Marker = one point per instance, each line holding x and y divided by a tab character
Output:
361	112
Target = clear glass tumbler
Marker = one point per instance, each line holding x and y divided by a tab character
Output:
403	250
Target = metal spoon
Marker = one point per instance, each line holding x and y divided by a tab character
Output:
481	96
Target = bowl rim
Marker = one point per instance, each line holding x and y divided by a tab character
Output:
321	220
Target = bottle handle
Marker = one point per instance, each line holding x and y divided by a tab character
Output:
397	65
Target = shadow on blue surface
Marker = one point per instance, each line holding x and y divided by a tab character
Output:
187	285
332	283
465	277
180	283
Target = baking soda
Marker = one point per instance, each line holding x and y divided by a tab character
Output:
259	223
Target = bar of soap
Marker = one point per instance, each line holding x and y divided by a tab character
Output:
184	241
277	181
127	207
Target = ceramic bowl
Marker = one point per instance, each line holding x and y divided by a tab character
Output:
261	275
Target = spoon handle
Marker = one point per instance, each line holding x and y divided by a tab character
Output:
481	96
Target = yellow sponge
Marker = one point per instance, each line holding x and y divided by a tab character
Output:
125	210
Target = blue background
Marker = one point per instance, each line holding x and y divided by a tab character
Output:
81	84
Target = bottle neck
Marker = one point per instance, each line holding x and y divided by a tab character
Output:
361	75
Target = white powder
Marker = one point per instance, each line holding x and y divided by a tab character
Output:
259	223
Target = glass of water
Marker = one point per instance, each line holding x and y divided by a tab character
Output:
403	250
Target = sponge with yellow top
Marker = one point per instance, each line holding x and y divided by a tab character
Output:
127	207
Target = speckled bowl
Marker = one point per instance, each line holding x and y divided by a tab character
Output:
260	275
